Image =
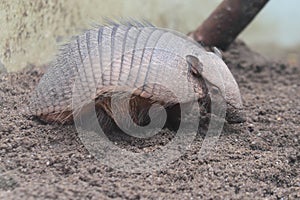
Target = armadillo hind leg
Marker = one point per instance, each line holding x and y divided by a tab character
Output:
104	118
138	111
61	118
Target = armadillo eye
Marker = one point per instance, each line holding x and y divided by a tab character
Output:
214	90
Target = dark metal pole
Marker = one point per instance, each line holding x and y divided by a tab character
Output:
227	21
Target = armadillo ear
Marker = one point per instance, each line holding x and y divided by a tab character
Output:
217	52
194	65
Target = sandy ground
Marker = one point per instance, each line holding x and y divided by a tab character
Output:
258	159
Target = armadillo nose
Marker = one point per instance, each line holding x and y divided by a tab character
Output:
235	116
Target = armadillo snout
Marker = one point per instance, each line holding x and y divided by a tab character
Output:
234	115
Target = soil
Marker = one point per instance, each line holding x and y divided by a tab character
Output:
258	159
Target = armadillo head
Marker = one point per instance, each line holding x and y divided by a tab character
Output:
217	75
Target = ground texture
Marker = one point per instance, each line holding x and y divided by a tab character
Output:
259	159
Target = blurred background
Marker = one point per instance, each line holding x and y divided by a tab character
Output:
31	30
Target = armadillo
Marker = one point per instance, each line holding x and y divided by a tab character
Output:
118	55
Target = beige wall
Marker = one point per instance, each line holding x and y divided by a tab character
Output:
31	29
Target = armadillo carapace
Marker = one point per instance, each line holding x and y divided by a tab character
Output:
140	57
